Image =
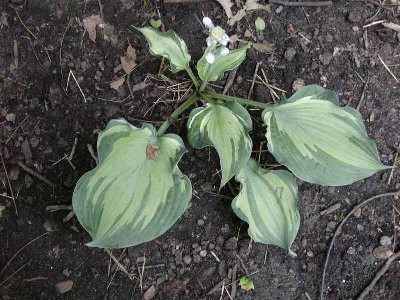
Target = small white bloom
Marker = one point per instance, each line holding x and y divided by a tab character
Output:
224	39
224	51
210	58
211	41
207	22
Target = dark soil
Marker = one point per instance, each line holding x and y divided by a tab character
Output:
40	120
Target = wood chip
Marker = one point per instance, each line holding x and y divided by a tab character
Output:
117	83
128	61
264	47
150	293
393	26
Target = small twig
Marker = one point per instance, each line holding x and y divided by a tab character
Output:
53	208
72	153
254	78
392	171
101	9
77	83
362	94
13	274
23	24
9	184
26	245
375	3
378	275
387	68
230	80
292	3
374	23
234	286
92	154
120	266
69	216
36	174
15	130
338	230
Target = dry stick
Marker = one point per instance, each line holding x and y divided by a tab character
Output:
9	184
26	245
13	274
234	287
23	24
387	68
36	174
101	9
378	275
291	3
77	83
338	230
375	3
362	95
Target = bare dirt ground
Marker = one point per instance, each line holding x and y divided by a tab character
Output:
55	96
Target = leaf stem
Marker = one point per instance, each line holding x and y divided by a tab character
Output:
185	105
194	79
205	81
240	100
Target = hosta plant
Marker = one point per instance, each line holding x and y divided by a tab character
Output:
137	191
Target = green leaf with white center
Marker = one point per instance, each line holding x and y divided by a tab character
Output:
267	201
169	45
319	141
225	127
136	192
214	71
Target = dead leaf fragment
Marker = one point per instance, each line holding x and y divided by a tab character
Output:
382	252
264	47
90	24
298	84
64	286
226	5
129	60
2	207
116	84
249	6
151	152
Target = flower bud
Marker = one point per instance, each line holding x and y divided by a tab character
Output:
207	22
210	58
224	51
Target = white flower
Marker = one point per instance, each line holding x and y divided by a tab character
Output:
210	57
207	22
224	39
224	51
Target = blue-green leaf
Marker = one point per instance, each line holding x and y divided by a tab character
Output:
137	191
319	141
169	45
224	126
267	201
212	72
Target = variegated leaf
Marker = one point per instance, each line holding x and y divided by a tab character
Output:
169	45
211	72
224	126
319	141
136	192
267	201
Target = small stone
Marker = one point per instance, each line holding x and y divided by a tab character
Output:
64	286
331	226
13	174
2	208
222	269
231	244
34	142
203	253
310	253
326	58
200	222
66	272
187	259
48	226
355	15
26	150
382	252
195	245
298	84
28	181
351	251
357	213
385	241
360	227
10	117
220	240
140	260
290	53
150	293
279	9
196	258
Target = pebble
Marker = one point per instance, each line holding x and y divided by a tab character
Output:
13	174
279	9
222	269
150	293
331	226
34	142
360	227
310	253
357	213
231	244
385	241
200	222
355	15
64	286
187	259
298	84
26	150
10	117
325	58
351	251
382	252
196	258
203	253
220	240
290	53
